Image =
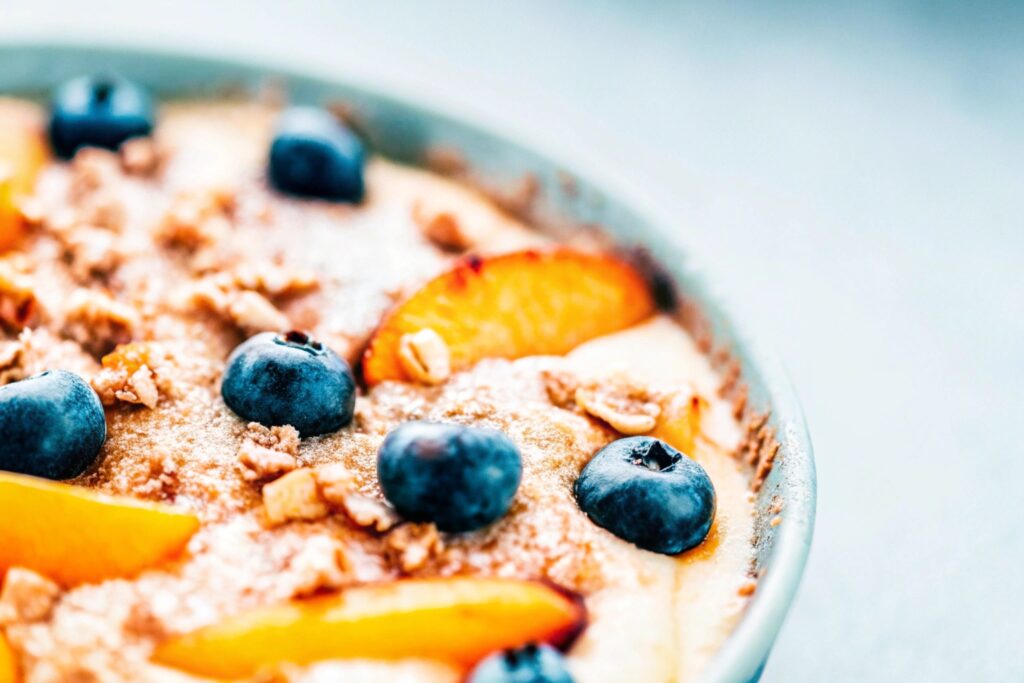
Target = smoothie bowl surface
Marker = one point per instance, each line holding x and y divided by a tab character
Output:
289	314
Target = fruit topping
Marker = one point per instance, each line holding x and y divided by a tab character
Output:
528	664
289	379
315	155
98	111
8	665
679	423
457	620
22	154
52	425
648	493
73	535
517	304
461	478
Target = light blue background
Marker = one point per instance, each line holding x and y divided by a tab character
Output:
852	177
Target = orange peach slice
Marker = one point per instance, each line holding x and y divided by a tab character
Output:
518	304
456	620
73	535
23	151
8	666
679	422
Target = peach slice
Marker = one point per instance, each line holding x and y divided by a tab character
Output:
517	304
457	620
8	665
679	422
23	151
73	535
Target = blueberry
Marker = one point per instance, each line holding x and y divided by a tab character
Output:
459	477
314	155
529	664
52	425
648	493
98	112
289	379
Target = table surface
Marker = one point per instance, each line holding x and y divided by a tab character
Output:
851	177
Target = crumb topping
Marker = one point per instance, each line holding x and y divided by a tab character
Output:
293	496
11	369
424	355
98	322
628	407
26	596
19	307
411	545
268	453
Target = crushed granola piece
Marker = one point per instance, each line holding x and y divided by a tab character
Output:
560	386
336	482
321	564
370	513
97	322
19	307
197	219
62	668
95	174
424	355
443	228
411	545
284	438
161	480
143	621
102	208
140	156
140	388
114	385
59	220
629	408
12	354
91	169
26	596
338	488
274	280
253	312
268	453
293	496
93	252
249	310
213	293
264	463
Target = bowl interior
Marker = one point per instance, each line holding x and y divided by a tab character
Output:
408	133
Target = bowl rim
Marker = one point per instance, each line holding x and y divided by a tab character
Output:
744	653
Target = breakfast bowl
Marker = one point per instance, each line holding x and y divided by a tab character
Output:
564	198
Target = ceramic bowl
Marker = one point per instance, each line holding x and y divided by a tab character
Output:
406	132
